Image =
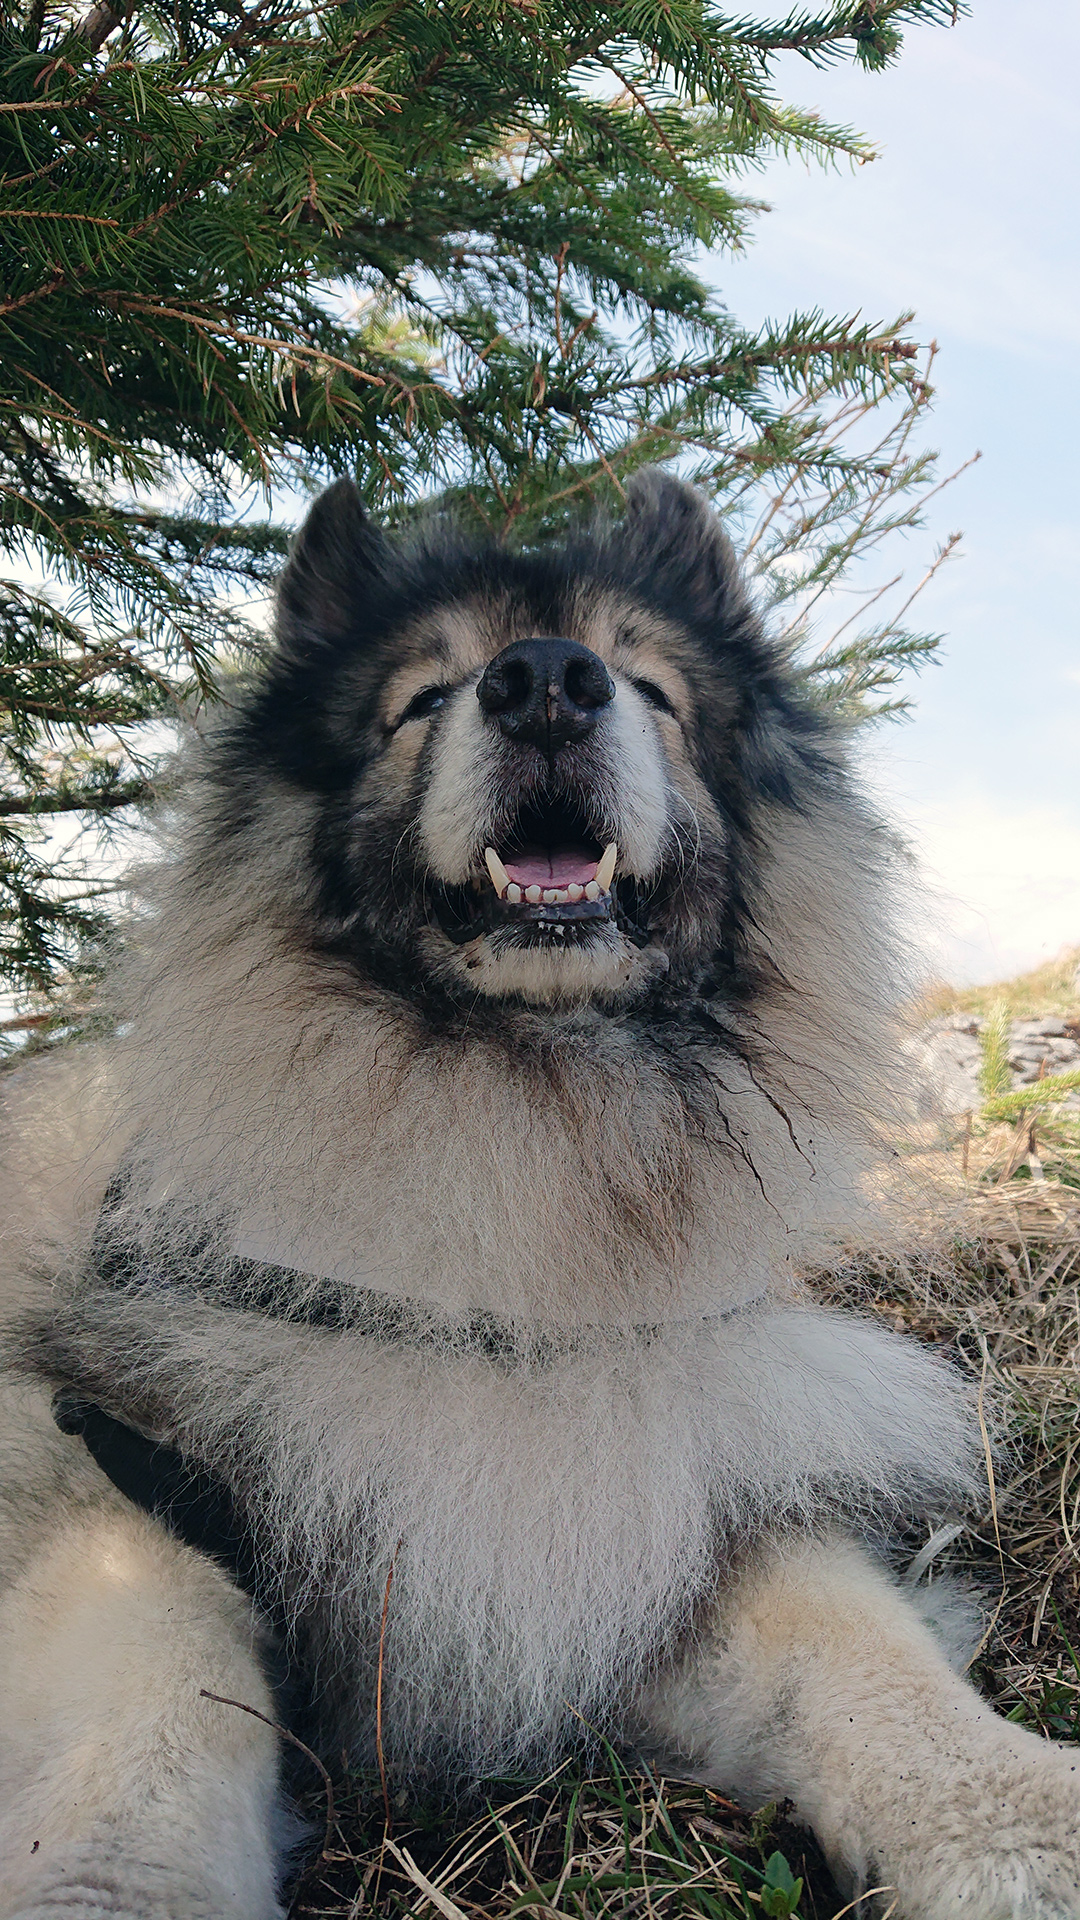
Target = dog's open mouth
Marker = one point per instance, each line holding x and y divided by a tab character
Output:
551	879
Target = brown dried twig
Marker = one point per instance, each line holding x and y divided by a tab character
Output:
295	1740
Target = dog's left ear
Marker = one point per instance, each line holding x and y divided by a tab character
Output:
336	558
675	545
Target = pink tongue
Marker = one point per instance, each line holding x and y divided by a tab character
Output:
551	867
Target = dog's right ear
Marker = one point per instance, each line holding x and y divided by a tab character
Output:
336	557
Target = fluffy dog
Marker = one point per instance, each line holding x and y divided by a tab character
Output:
506	1024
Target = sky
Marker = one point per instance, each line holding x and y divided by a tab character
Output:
969	216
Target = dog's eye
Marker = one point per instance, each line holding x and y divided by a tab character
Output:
428	700
655	696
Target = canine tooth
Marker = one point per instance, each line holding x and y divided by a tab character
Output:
534	895
605	872
513	893
574	892
500	879
592	891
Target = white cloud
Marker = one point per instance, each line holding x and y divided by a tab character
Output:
1004	884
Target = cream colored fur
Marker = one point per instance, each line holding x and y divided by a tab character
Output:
817	1681
649	1514
122	1791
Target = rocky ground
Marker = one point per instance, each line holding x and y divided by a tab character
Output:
949	1056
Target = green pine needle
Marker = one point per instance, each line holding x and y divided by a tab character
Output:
995	1074
446	249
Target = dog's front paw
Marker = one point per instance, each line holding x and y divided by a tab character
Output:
1039	1883
83	1884
1002	1842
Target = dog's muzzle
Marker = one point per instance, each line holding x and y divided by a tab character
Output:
552	880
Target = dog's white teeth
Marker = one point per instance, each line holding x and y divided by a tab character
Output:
500	879
605	872
513	894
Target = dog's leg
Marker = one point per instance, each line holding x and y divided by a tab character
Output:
122	1791
818	1682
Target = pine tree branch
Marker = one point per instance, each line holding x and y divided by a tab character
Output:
29	1022
37	293
102	20
77	800
35	21
528	328
858	23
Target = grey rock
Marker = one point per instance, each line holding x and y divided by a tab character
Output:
947	1061
947	1058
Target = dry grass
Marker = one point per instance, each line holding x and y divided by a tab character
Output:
1052	989
1001	1295
615	1843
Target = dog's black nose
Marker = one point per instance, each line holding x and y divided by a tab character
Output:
548	692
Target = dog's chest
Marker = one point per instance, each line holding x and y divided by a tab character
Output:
515	1543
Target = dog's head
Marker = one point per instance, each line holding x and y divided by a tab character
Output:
528	774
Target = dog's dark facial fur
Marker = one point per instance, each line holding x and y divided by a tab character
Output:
368	709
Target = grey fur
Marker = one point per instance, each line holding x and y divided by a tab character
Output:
269	1102
623	1154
